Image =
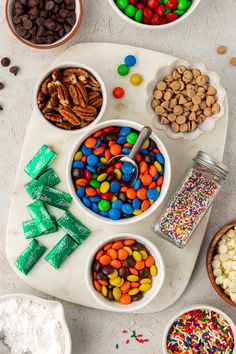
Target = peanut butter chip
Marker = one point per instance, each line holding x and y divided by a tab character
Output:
155	103
221	49
201	80
192	116
164	121
210	100
180	119
159	110
161	86
171	117
175	85
167	96
233	61
215	108
183	128
207	112
178	110
175	127
190	93
181	69
165	104
196	73
211	91
196	99
188	75
158	94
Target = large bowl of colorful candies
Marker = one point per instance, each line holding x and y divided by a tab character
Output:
200	329
102	189
125	272
153	14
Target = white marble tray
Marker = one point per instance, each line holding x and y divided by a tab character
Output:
68	283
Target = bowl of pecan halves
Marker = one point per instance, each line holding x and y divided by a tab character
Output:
71	96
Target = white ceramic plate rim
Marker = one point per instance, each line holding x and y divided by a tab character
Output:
157	283
202	128
165	186
72	64
55	307
198	307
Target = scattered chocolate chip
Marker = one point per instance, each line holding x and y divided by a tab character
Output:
2	85
14	70
1	108
5	61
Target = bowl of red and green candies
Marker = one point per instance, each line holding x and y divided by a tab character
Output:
103	189
200	329
154	13
125	272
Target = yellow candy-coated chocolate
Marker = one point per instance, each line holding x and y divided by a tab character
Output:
158	188
145	287
102	177
113	275
114	198
78	156
153	270
104	291
105	186
116	293
137	256
158	166
128	249
151	201
146	144
103	160
118	173
143	254
132	278
137	212
136	79
133	291
116	281
145	281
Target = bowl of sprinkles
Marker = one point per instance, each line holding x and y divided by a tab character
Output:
153	14
103	190
200	329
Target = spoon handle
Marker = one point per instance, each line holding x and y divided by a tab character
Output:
143	136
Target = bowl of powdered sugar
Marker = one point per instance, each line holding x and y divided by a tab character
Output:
32	325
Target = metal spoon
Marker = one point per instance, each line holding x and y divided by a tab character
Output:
143	136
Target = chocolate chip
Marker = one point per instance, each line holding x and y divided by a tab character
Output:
19	12
24	2
2	85
5	61
27	24
123	272
40	21
49	5
18	5
44	13
50	24
33	3
34	11
41	31
16	20
14	70
21	31
50	39
58	1
34	30
108	270
63	13
69	2
71	7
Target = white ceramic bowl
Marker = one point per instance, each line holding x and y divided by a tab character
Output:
72	65
167	174
198	307
157	282
150	27
55	307
209	124
79	13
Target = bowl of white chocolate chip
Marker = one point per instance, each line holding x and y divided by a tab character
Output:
185	100
221	263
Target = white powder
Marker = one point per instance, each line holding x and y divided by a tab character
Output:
29	327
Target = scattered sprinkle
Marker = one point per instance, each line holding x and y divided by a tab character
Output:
117	346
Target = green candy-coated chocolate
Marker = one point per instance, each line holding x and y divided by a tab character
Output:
167	11
164	1
63	249
130	11
138	16
122	4
94	183
94	175
123	70
132	138
104	205
30	256
184	4
179	12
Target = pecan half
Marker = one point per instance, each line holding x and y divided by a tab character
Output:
56	75
48	108
64	125
69	79
96	102
92	88
54	117
63	95
77	71
93	82
82	93
75	94
69	115
85	113
52	88
41	97
44	86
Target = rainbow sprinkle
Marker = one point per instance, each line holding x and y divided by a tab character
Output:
187	207
200	332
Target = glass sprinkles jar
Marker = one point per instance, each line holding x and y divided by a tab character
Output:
191	200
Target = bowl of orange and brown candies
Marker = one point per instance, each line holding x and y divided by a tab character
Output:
71	96
186	100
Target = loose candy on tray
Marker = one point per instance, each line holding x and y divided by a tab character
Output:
40	215
200	331
54	197
33	188
49	178
73	227
30	256
105	189
61	251
40	161
30	229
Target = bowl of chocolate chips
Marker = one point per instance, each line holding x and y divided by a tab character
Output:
43	24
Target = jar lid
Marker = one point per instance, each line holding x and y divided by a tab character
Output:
209	161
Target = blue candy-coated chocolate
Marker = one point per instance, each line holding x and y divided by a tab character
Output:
92	160
95	199
126	151
78	164
114	214
137	203
115	187
86	151
156	177
144	151
160	159
121	140
152	194
125	131
98	143
117	204
91	169
126	177
94	207
130	60
127	208
80	192
86	202
127	168
104	213
137	184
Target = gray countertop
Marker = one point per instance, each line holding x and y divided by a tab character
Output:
212	24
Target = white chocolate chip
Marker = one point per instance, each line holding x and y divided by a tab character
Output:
216	264
223	249
217	272
219	280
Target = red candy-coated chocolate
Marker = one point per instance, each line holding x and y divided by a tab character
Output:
155	19
118	92
172	16
172	4
147	13
153	4
161	10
